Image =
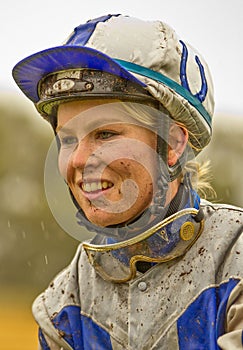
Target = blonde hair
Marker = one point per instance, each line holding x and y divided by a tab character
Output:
201	177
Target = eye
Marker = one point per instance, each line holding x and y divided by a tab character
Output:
68	140
105	134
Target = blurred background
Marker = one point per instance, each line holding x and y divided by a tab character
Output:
33	247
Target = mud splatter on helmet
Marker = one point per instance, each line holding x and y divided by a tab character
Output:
128	58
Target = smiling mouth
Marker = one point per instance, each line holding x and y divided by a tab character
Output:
96	186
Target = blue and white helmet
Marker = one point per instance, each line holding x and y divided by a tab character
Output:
148	54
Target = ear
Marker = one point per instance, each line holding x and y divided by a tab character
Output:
178	137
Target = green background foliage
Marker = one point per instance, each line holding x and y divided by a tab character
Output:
33	247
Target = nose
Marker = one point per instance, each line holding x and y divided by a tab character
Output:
84	155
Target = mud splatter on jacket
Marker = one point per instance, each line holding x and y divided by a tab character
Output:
192	303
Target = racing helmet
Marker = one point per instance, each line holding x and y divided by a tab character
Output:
136	59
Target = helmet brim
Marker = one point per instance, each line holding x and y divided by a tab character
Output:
28	72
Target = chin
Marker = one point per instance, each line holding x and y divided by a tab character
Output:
104	220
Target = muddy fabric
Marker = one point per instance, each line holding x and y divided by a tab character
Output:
194	302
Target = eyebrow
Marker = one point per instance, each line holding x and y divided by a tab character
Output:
94	125
63	128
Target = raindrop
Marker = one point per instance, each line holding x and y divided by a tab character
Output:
23	234
9	224
42	226
46	260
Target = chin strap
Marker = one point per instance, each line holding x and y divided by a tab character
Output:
166	173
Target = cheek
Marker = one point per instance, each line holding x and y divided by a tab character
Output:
143	178
146	181
63	163
128	151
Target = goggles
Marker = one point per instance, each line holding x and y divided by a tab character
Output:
169	239
68	85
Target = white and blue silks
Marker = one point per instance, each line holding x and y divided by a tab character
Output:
192	302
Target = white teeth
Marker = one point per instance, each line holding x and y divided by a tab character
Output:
104	184
87	187
95	186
